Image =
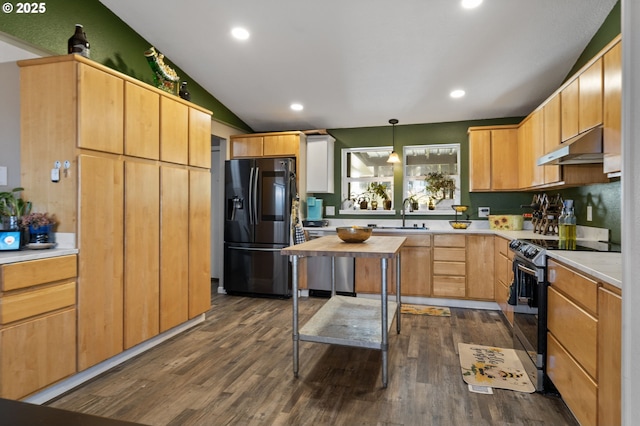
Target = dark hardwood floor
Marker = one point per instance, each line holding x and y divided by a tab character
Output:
236	368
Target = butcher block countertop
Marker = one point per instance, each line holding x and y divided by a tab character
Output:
331	245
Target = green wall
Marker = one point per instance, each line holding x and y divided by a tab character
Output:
113	43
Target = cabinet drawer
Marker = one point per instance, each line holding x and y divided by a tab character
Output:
449	240
449	286
26	274
417	241
578	390
582	290
449	254
28	304
575	329
37	353
449	268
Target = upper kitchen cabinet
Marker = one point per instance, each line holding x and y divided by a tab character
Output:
582	101
174	131
199	138
142	122
492	154
320	164
612	108
530	147
552	136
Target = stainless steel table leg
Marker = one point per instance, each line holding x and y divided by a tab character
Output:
296	336
385	337
398	295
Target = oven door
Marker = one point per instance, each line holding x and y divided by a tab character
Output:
529	327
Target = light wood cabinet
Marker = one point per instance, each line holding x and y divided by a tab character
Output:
590	98
609	356
449	268
141	122
492	154
584	344
480	267
199	247
503	259
368	275
612	108
100	110
141	252
37	324
246	146
570	107
530	148
552	137
118	134
174	131
174	247
101	259
415	266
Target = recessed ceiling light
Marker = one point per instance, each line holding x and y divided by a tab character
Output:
240	33
297	107
458	93
470	4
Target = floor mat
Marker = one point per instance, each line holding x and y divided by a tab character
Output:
493	367
435	311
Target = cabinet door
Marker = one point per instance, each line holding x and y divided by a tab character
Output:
174	131
37	353
609	357
199	138
552	136
480	160
590	97
525	153
570	106
199	242
415	272
141	252
174	247
281	145
480	267
100	110
368	277
612	106
141	122
537	148
504	163
246	147
100	275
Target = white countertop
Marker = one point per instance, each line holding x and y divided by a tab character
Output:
606	267
26	254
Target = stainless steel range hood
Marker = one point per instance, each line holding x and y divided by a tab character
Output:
585	148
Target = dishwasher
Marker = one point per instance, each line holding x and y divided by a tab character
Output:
319	272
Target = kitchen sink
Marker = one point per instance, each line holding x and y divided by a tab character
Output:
404	228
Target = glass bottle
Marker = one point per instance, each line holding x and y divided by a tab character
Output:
184	92
78	42
567	227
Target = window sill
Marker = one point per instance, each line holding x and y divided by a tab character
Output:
375	212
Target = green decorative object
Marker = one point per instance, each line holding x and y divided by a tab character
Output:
439	186
164	77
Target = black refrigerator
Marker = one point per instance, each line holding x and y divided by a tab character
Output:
258	198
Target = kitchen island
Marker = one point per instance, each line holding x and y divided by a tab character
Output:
345	320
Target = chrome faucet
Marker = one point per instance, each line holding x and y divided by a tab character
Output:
404	202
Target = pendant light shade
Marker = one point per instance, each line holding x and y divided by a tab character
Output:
393	157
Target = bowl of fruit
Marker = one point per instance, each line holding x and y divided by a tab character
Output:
460	224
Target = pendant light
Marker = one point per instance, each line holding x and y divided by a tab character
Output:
393	157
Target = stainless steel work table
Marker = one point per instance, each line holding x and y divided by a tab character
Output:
343	320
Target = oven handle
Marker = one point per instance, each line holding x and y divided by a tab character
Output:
526	270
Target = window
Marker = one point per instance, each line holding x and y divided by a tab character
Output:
362	167
440	163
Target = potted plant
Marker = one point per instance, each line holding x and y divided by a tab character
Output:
39	225
380	190
12	208
439	186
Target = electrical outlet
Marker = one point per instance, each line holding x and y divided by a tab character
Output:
484	211
589	213
330	211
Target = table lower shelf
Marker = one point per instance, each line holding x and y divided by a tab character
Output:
349	321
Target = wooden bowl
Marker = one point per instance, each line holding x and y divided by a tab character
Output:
354	234
460	224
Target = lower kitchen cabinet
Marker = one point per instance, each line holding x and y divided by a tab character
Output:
480	267
609	356
449	265
37	324
199	247
503	270
369	273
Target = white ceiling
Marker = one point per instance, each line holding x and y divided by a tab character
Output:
358	63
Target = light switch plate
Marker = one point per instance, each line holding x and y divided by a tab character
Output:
484	211
330	211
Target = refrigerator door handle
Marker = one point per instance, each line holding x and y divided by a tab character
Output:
251	195
256	176
253	248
